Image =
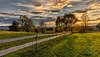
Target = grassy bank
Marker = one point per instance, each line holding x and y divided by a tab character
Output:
11	34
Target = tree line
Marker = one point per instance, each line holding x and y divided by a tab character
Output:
69	21
26	24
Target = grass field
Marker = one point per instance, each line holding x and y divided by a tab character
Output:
20	42
74	45
11	34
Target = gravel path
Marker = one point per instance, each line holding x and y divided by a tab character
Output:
6	51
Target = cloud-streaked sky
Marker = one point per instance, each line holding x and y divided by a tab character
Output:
48	8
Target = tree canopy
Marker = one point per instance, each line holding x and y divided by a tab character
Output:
68	20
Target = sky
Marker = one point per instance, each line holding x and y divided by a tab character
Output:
47	10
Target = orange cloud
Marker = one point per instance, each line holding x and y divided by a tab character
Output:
52	23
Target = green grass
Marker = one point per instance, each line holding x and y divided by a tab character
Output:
20	42
11	34
74	45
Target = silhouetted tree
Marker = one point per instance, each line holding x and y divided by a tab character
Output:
37	30
67	21
42	26
14	26
85	20
70	20
58	21
98	26
26	24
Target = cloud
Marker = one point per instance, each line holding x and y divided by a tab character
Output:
8	14
32	6
36	12
49	7
37	4
52	23
69	5
3	24
23	11
53	11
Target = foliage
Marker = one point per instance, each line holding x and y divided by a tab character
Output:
42	27
58	21
70	20
43	30
67	21
57	29
85	20
14	26
98	26
26	24
79	28
37	30
61	29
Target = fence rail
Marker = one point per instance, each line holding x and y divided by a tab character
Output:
15	39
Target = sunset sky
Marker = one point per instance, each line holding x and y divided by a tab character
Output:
46	9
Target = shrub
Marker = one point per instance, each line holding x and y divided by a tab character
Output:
43	30
37	30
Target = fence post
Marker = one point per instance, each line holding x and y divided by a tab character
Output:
56	37
36	43
49	39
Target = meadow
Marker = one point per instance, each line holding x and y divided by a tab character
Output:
11	34
20	42
74	45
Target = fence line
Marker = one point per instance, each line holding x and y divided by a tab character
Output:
6	51
15	39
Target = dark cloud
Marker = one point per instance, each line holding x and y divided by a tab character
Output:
90	2
37	4
41	17
8	14
37	12
55	10
79	11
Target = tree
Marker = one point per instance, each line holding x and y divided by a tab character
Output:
37	30
14	26
70	20
79	28
58	21
26	24
67	21
98	26
85	20
42	26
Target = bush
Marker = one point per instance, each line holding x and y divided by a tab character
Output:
61	29
37	30
57	29
43	30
